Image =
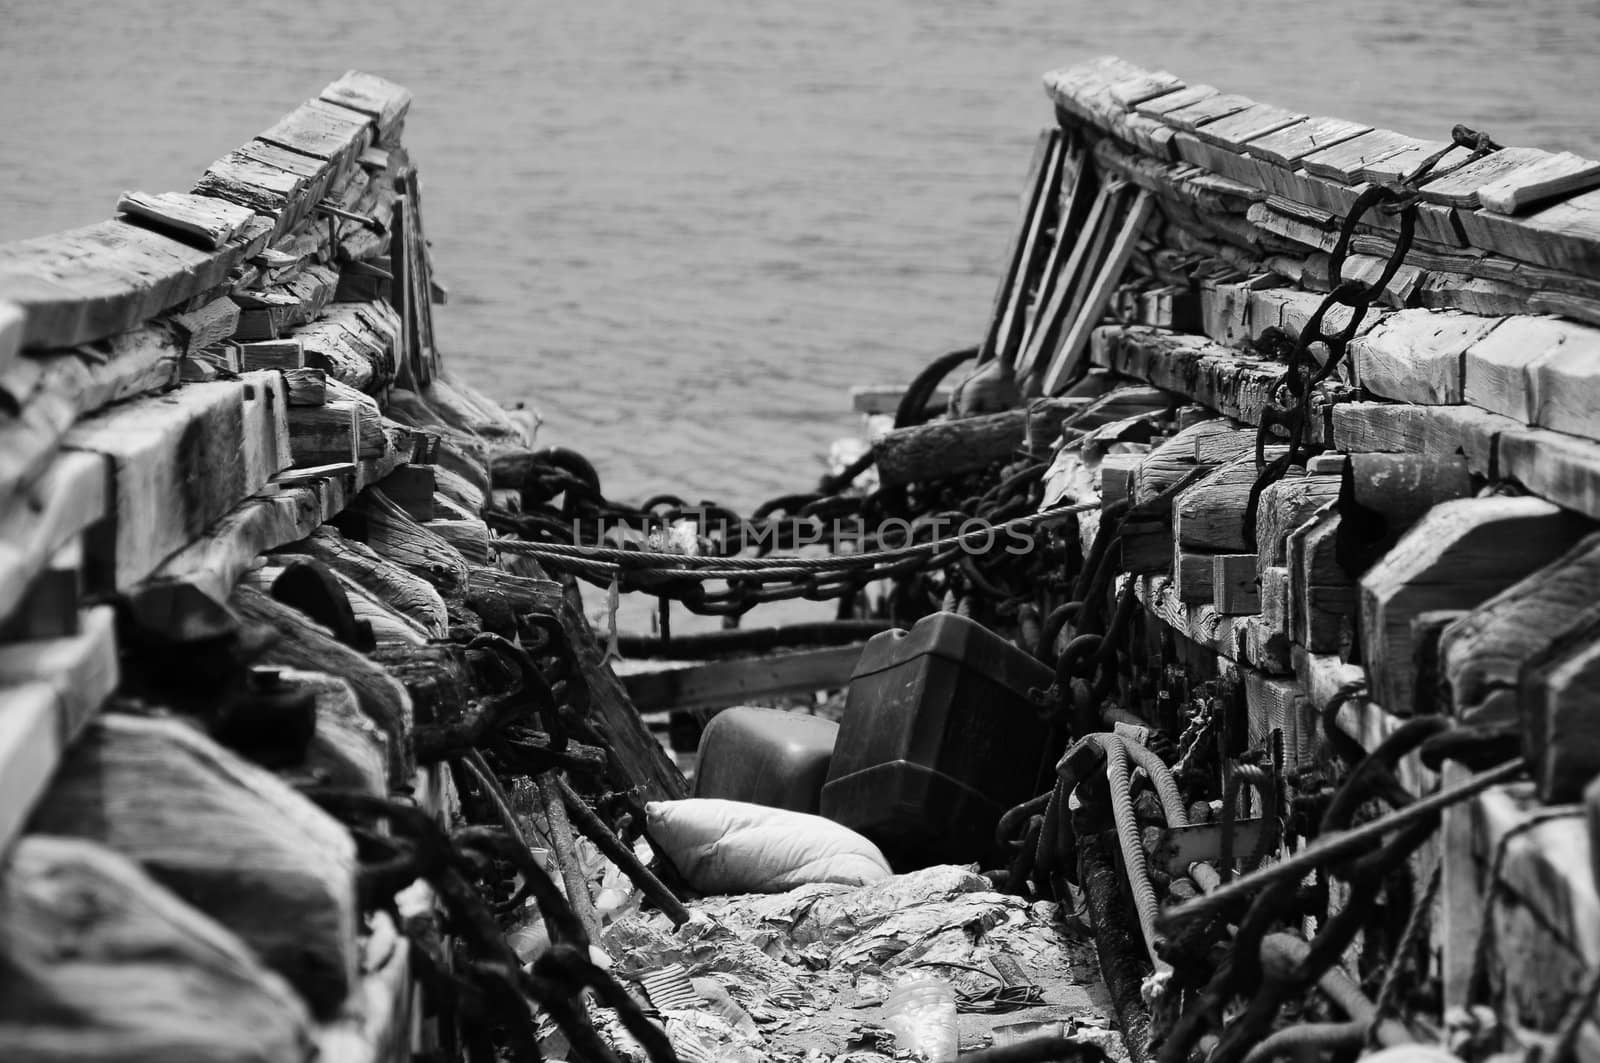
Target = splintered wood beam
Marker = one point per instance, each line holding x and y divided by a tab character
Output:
1238	385
148	976
225	835
307	645
207	324
214	563
1458	556
178	461
398	589
209	222
81	669
718	684
69	498
354	343
375	519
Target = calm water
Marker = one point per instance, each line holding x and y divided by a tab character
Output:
683	230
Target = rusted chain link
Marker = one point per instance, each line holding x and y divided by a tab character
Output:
1304	372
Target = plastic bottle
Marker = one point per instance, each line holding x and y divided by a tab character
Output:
921	1013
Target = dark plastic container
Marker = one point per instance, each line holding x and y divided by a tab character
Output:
765	756
938	740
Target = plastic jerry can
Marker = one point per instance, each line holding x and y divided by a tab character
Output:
939	739
766	757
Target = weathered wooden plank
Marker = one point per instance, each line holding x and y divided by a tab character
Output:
1564	383
1563	236
1459	188
1456	557
179	462
385	102
1287	146
1398	165
214	562
1400	428
207	324
1168	102
394	586
264	188
1344	161
1051	321
326	131
1553	177
1415	355
1005	330
210	222
1067	360
1197	113
1495	367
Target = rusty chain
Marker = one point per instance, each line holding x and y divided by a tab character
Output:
1290	409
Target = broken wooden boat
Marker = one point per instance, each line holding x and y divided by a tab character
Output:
1233	586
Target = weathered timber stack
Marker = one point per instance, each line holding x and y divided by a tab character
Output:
1432	548
244	570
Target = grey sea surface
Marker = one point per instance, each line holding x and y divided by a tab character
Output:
683	230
